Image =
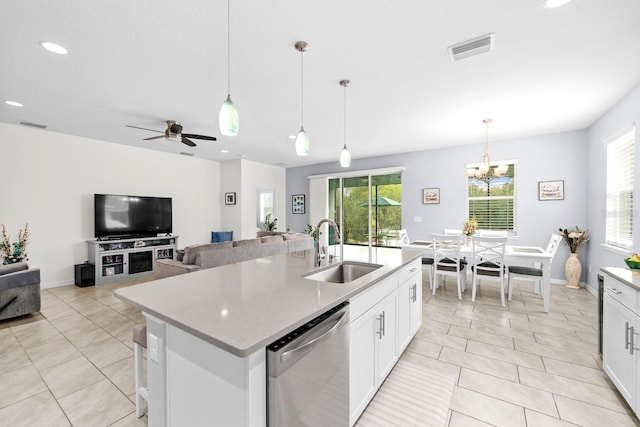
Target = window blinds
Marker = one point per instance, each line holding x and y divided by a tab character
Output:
619	210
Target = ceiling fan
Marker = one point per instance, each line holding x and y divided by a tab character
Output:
174	131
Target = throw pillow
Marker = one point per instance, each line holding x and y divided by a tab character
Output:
221	236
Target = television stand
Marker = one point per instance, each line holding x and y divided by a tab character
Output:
129	258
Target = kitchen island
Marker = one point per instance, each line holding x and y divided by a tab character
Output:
207	332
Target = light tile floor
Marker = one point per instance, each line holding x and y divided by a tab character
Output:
515	366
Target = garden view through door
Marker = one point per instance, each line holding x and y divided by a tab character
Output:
368	220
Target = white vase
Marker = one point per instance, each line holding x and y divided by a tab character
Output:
572	270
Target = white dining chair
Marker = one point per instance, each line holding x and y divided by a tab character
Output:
534	273
453	231
427	262
447	260
493	233
488	262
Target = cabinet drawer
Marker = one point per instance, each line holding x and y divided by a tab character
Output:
409	270
622	293
372	296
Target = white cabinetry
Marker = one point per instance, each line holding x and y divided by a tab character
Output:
379	319
620	342
129	258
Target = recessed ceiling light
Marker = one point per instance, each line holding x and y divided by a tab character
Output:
224	151
14	103
555	3
55	48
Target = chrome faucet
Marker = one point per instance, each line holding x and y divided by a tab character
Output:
317	238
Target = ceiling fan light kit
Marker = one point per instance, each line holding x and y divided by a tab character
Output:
345	154
484	171
228	119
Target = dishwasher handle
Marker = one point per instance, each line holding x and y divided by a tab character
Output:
312	343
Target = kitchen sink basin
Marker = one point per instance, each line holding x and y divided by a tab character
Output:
343	272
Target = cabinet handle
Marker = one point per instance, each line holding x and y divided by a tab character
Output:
614	290
414	292
626	335
379	332
632	345
383	324
413	269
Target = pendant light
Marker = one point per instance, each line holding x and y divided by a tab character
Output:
228	119
302	140
345	155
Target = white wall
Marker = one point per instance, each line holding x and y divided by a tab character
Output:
247	178
620	116
49	180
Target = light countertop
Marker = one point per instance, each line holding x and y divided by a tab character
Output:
625	275
245	306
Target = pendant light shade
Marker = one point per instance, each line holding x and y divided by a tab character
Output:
302	140
228	119
345	154
302	143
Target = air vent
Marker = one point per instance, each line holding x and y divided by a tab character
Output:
472	47
186	154
33	125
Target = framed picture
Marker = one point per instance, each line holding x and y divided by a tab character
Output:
431	196
229	198
297	204
551	190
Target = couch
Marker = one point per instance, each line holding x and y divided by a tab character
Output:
208	255
19	290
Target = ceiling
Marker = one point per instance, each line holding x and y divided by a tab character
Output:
146	61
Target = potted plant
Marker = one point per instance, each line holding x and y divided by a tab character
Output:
16	251
270	224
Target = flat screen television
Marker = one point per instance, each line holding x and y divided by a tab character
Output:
121	216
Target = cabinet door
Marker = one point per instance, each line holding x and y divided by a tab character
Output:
409	310
617	361
387	336
362	372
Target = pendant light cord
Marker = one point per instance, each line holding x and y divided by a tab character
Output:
228	49
345	116
302	88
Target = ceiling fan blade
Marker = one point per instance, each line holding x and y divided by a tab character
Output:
188	142
208	138
154	137
137	127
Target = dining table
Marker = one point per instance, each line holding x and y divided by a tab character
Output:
514	255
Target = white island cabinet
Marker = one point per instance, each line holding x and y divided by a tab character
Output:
621	332
207	332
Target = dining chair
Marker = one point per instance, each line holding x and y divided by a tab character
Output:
488	262
452	231
534	273
447	260
493	233
427	262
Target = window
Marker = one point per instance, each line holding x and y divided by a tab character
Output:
265	206
619	212
493	203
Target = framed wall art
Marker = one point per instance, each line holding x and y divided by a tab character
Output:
431	196
551	190
229	198
297	204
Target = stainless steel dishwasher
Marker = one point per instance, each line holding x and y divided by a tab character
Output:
308	373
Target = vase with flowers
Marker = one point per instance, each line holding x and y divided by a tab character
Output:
469	228
16	251
574	239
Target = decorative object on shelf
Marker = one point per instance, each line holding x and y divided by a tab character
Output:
484	172
297	204
230	198
469	228
302	140
572	268
345	155
633	262
269	223
551	190
16	251
228	119
431	196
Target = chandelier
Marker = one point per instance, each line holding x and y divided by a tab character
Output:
485	172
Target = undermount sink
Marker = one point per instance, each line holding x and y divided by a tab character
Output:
343	272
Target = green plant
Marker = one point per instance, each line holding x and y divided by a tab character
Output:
312	231
16	251
269	224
